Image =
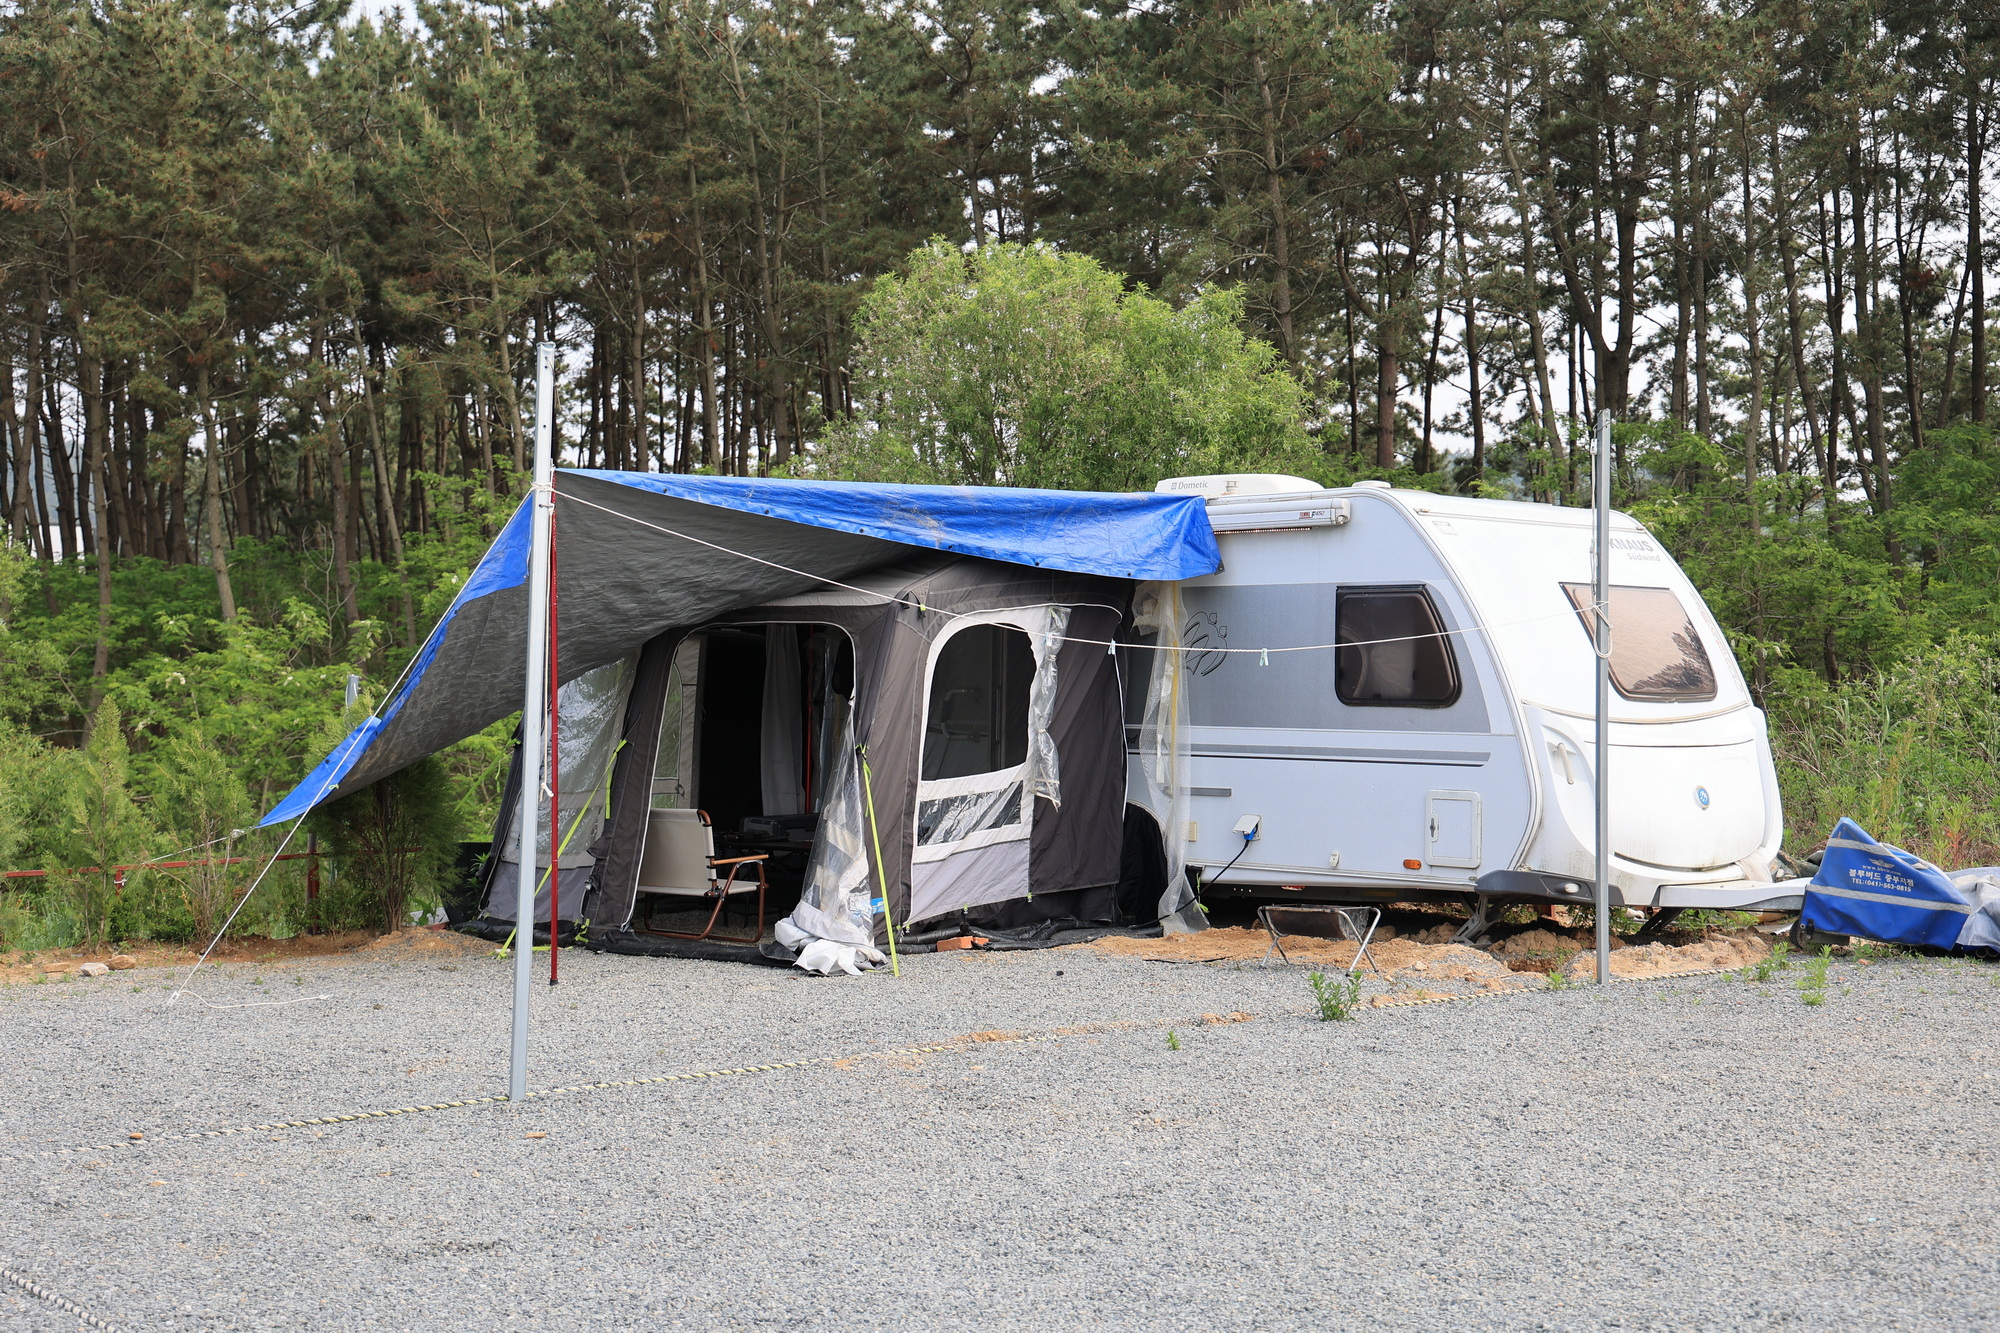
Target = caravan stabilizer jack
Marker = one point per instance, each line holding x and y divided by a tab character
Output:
1478	923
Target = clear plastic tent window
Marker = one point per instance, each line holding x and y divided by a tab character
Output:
946	817
592	709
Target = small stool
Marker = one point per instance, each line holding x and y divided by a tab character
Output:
1349	923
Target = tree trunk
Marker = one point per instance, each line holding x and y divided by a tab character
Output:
1795	335
1975	252
61	470
336	480
1867	318
28	438
385	504
1281	245
218	541
1833	263
1704	403
1388	379
1753	418
1475	404
767	297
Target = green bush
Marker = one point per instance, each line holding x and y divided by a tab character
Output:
102	828
16	918
1912	753
390	846
200	800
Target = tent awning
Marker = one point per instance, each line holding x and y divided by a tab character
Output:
640	552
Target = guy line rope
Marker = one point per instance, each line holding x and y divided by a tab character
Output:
1064	638
298	823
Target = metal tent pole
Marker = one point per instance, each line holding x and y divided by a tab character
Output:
533	704
1600	596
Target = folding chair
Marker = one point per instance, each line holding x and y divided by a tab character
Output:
680	862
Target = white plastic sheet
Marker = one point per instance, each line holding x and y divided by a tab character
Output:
837	902
1163	745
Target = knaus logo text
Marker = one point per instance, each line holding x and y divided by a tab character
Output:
1636	547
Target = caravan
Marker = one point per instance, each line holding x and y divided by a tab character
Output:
1389	696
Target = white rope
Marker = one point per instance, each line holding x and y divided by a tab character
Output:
240	903
1101	643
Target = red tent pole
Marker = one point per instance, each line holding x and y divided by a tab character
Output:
555	764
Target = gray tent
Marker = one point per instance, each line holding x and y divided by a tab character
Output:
993	737
926	670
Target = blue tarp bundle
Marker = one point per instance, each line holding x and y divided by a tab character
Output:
640	552
1880	892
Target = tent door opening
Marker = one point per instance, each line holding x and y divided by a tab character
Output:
750	719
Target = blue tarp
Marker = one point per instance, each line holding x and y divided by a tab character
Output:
1142	536
1880	892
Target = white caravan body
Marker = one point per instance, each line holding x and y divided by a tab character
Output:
1462	762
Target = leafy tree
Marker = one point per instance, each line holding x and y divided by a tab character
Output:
392	844
1021	365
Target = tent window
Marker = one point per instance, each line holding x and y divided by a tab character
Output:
1655	651
977	718
1392	650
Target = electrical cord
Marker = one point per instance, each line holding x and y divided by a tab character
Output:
1248	838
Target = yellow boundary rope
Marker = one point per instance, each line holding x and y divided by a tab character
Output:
936	1048
83	1316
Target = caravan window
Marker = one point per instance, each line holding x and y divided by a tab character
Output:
1392	650
1655	651
977	718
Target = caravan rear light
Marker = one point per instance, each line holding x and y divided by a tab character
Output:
1413	865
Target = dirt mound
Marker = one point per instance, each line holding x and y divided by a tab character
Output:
421	942
1666	960
1243	944
1542	950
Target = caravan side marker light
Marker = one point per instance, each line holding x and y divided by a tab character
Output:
1413	865
1572	888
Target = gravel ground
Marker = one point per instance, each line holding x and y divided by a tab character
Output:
1695	1152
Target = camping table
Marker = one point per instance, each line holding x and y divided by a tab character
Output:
741	844
1348	923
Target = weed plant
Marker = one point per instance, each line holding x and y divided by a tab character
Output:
1812	986
1337	1000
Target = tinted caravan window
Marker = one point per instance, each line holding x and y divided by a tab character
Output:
1655	652
1392	650
977	717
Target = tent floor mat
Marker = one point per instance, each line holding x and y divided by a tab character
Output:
640	945
1045	935
654	946
499	931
